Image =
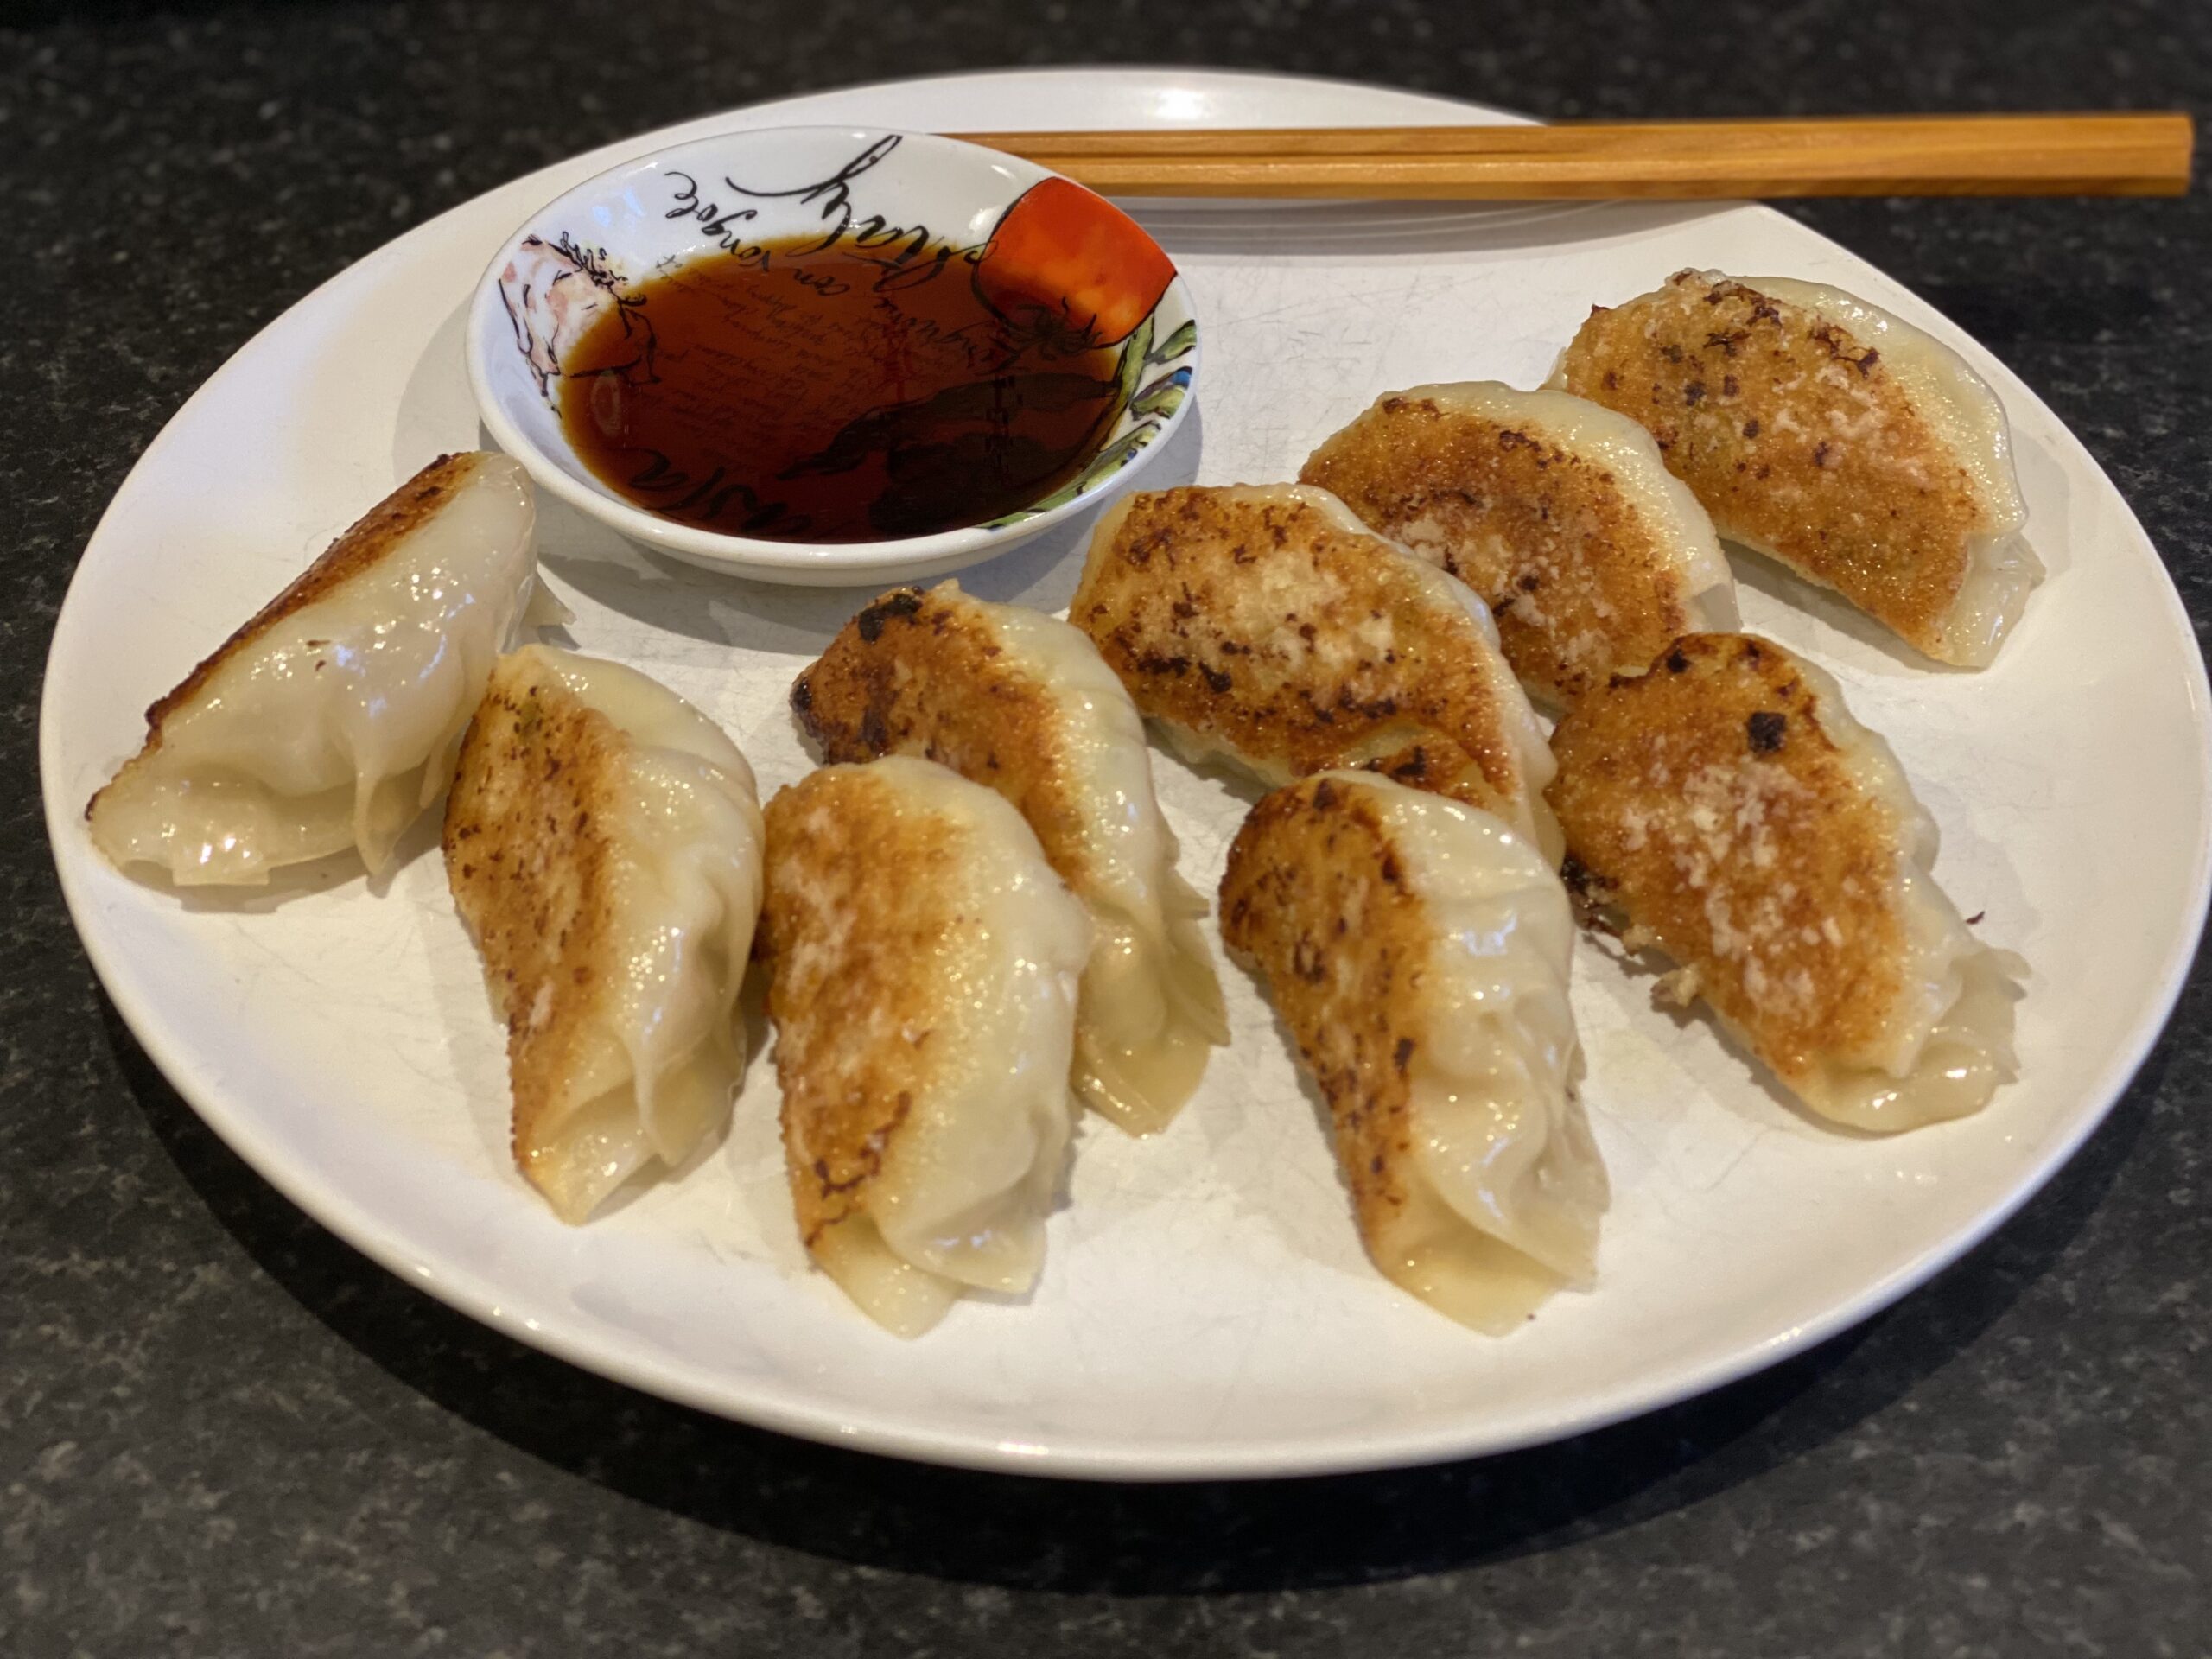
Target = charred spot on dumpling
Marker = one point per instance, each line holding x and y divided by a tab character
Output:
1764	730
1575	876
901	602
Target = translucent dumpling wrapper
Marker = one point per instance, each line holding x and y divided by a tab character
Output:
330	720
603	843
1726	810
1558	511
1830	436
1419	950
925	962
1266	626
1020	702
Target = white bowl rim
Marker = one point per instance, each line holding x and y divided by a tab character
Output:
740	553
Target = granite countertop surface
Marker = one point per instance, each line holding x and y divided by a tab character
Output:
224	1432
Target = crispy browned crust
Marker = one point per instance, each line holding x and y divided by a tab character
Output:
1174	605
1439	766
923	673
859	904
1317	895
528	862
1705	802
1793	434
371	538
1547	537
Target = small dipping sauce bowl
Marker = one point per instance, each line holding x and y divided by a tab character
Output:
1043	261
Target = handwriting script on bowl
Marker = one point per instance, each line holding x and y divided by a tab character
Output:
910	253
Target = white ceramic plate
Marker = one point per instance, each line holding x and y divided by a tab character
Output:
1205	1309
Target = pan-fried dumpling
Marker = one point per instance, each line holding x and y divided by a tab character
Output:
924	966
1832	437
1268	627
1418	950
1020	702
1726	807
330	720
603	843
1591	555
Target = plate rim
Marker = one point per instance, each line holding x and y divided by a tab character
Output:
362	1229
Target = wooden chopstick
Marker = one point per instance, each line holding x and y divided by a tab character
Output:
2092	154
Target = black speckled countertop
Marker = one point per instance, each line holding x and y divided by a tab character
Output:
222	1431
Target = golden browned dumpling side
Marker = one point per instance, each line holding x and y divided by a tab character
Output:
1019	702
926	673
603	844
1418	950
1829	434
1557	511
1268	625
1728	809
924	964
527	859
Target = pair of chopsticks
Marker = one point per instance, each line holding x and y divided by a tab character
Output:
2098	155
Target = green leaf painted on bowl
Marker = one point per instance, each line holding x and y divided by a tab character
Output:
1133	361
1176	344
1163	396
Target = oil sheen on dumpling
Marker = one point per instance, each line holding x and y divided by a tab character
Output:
1418	950
1830	436
1726	807
603	843
1019	702
330	719
1557	511
1268	627
925	963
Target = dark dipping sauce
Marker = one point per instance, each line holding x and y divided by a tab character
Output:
803	393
